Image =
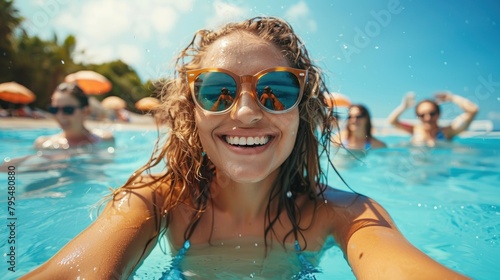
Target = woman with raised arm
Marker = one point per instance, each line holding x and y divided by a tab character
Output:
243	193
428	111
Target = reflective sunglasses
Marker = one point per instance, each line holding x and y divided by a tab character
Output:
66	110
277	90
431	114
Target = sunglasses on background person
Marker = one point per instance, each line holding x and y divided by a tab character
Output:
357	117
66	110
431	114
286	84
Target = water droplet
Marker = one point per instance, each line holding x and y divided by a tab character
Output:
289	194
62	61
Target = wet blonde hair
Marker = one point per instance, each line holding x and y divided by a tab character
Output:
188	171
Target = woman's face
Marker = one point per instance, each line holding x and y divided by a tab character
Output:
222	136
427	113
65	120
356	120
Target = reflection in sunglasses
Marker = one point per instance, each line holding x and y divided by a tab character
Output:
277	90
225	100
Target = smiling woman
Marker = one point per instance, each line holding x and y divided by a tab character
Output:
222	189
428	132
69	106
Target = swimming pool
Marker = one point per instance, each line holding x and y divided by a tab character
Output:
444	200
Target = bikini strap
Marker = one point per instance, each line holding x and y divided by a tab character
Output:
175	272
307	269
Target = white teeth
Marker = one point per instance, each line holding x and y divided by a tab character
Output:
247	141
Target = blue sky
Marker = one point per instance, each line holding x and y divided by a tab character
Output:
372	51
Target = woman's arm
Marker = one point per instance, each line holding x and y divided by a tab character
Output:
463	121
376	249
393	119
111	247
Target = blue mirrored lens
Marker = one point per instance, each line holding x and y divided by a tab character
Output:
215	91
278	91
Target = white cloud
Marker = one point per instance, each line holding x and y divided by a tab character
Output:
184	5
131	54
115	29
300	12
225	12
101	21
95	53
163	19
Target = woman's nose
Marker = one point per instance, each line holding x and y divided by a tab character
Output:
246	108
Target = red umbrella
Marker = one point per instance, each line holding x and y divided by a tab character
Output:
147	103
90	82
16	93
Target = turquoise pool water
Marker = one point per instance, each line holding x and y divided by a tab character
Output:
445	200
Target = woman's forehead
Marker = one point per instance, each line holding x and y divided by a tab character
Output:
62	97
354	110
243	52
426	106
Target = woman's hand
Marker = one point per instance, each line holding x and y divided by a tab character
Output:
442	97
408	100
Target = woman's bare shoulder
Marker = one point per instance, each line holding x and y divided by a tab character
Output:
342	199
350	207
148	186
104	135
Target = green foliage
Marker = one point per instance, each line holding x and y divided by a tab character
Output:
9	20
41	65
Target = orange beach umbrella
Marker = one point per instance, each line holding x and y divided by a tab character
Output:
147	103
337	99
90	82
16	93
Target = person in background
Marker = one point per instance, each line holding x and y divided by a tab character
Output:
428	111
357	134
69	106
248	176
